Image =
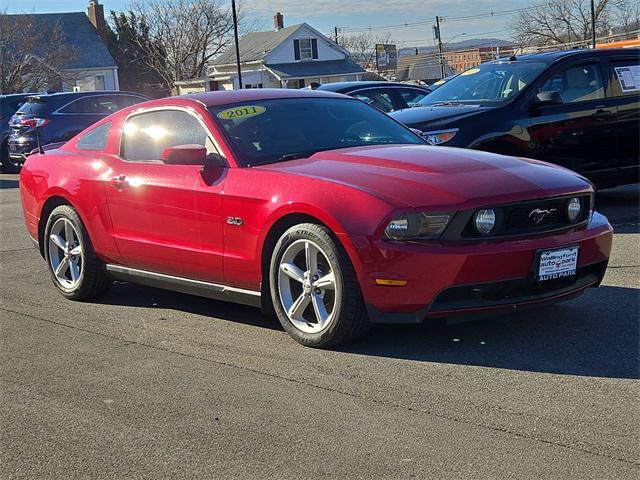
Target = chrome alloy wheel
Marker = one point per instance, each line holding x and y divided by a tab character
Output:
307	287
65	253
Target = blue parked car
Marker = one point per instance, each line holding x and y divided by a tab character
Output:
59	116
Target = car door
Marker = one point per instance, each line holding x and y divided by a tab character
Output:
158	224
624	77
578	132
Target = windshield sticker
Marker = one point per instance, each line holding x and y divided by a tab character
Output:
472	71
629	77
241	112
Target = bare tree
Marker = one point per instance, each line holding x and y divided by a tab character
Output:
362	47
180	36
32	58
626	15
561	21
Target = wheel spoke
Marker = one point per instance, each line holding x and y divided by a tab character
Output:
328	282
59	241
311	257
68	232
77	251
62	267
320	310
298	307
75	271
293	272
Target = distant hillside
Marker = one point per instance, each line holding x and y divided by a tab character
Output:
463	45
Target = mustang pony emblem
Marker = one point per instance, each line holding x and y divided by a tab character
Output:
538	214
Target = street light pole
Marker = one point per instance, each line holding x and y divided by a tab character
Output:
593	24
235	35
440	55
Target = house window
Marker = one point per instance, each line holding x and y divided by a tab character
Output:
252	85
99	82
305	48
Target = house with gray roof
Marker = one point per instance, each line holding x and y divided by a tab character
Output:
291	57
91	66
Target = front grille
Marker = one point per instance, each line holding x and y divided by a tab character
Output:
530	217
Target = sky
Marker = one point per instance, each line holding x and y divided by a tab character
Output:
350	16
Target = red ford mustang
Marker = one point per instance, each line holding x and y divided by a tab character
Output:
311	204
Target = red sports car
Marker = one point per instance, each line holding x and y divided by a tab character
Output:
310	204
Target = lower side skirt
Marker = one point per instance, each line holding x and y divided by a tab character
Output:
186	285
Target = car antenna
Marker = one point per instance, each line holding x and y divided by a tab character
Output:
513	58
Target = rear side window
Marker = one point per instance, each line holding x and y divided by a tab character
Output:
95	105
95	139
626	77
576	84
376	98
36	106
145	136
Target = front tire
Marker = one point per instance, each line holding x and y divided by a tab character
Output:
75	269
314	288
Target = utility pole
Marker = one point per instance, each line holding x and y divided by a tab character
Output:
593	24
235	35
439	39
335	30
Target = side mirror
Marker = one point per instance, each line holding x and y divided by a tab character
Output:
548	98
185	155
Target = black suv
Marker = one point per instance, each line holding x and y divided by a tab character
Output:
9	104
60	116
579	109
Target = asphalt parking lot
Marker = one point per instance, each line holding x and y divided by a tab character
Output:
153	384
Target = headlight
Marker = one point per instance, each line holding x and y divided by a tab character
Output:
484	221
439	136
574	208
414	226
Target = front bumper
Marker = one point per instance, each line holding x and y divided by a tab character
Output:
447	280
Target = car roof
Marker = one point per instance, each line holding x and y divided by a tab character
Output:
553	56
224	97
71	95
350	86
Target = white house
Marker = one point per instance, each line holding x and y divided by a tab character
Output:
291	57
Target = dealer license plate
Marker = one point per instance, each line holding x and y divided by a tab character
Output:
557	263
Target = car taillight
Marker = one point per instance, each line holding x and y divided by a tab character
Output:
34	122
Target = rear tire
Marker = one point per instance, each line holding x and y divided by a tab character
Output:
314	288
74	266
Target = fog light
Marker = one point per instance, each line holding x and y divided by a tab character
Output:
574	207
484	221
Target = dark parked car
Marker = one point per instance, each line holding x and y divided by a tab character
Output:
59	116
385	96
579	109
8	106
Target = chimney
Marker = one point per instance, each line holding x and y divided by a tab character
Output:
95	12
278	20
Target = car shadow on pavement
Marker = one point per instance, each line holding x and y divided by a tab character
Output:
622	207
597	334
594	335
7	184
134	295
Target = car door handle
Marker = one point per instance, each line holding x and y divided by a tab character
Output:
119	182
602	114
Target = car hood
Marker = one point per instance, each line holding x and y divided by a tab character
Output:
419	115
424	176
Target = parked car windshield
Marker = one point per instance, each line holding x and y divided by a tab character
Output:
487	84
267	131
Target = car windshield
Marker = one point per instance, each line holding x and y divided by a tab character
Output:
487	84
267	131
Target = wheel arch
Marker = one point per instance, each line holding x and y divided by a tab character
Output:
49	206
273	234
